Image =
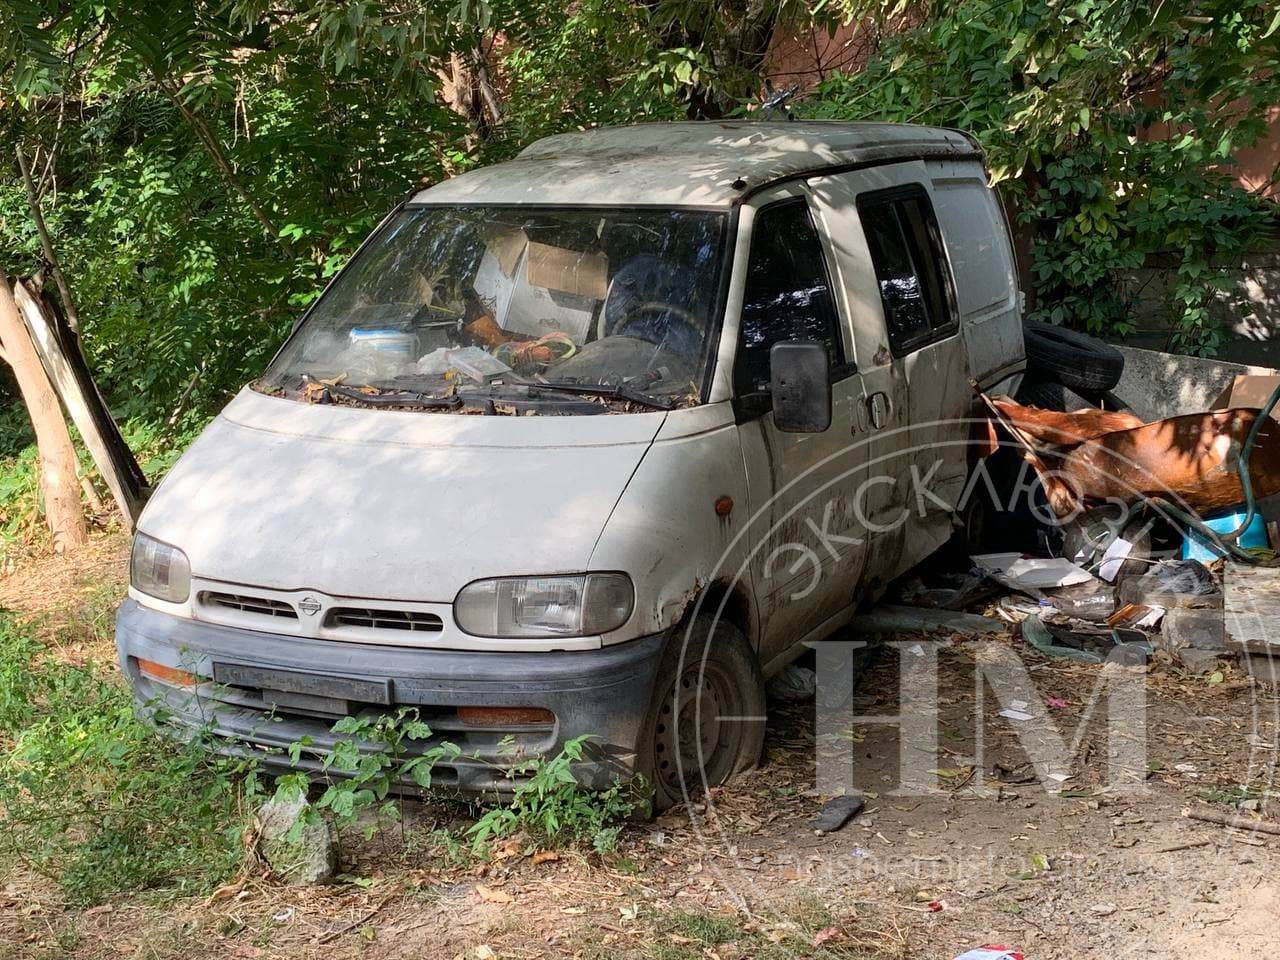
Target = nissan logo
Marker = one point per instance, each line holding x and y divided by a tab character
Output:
309	605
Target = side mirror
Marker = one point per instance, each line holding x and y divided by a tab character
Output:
801	386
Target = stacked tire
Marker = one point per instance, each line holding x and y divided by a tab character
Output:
1067	370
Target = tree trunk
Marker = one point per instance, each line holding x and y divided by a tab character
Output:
58	477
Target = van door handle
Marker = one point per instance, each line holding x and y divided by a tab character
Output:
880	407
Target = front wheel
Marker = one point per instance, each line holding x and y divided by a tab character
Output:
706	721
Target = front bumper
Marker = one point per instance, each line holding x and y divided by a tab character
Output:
271	691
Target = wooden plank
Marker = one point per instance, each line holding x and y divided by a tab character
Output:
1251	605
122	481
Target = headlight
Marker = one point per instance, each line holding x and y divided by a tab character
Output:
159	570
533	607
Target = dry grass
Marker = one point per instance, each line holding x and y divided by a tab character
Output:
69	601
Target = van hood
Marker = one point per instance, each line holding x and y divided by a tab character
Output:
390	504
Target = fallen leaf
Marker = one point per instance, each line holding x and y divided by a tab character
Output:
485	952
490	895
507	850
545	856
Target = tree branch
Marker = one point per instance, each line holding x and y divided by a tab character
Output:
46	244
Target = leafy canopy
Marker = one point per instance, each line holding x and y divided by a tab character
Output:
1111	125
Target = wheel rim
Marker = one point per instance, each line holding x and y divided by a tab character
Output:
693	742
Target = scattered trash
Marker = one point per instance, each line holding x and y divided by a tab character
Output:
1036	633
1253	537
1113	559
1021	572
837	811
1093	600
1094	537
1103	909
1011	714
991	952
284	916
1015	609
795	684
473	362
1136	615
1172	584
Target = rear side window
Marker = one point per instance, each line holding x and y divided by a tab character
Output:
906	251
787	295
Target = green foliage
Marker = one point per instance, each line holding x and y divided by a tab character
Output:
205	167
376	754
1111	127
372	758
552	807
93	798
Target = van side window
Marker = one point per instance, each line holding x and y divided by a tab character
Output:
906	250
787	295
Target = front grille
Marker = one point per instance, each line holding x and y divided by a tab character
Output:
259	606
369	618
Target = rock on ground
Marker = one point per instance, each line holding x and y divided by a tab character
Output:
312	858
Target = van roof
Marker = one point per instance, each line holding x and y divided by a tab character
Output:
696	163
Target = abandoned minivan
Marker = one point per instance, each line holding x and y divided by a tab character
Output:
587	443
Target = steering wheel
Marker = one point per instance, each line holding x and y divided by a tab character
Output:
679	324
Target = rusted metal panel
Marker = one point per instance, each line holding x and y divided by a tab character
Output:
1193	458
1065	429
1097	455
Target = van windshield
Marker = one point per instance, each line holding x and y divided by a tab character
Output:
516	310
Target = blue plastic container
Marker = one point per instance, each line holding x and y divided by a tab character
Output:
1195	548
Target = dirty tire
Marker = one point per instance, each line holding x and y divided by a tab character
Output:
1054	396
1076	360
717	676
1034	392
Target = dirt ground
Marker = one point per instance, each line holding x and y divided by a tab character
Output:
1085	866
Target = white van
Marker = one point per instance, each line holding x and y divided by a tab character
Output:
588	442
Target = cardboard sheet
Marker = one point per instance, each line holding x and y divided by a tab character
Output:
1249	391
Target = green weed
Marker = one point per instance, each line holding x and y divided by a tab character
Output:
372	759
93	799
550	806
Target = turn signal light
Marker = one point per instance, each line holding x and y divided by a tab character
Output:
505	716
170	675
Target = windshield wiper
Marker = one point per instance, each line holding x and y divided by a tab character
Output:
398	398
615	391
